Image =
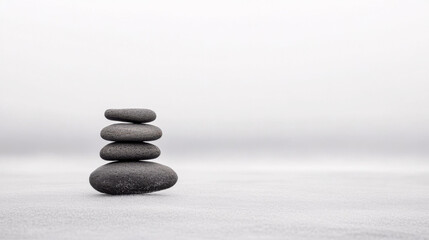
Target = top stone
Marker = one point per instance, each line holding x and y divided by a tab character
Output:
134	115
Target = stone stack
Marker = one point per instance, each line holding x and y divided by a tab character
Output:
128	174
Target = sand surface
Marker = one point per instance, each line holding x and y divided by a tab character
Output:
52	199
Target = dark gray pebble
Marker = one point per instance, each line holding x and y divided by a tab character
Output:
132	178
127	132
136	115
129	151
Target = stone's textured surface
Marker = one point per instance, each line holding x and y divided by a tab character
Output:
127	132
129	151
132	178
136	115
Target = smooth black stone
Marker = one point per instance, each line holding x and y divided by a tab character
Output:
119	178
127	132
135	115
129	151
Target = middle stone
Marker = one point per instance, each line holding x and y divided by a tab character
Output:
129	151
128	132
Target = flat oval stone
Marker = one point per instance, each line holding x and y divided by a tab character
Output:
132	178
129	151
136	115
127	132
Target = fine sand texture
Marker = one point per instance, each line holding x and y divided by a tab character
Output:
49	197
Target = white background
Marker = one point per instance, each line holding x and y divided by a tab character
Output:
268	77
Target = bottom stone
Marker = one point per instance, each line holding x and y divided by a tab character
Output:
132	178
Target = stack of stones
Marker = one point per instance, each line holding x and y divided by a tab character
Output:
128	174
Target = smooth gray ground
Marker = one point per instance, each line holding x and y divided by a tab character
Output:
127	151
136	115
52	199
131	132
118	178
